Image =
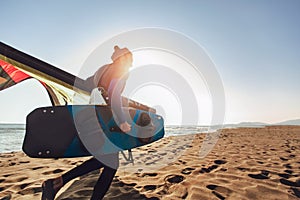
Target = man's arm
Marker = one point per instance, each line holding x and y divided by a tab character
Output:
115	90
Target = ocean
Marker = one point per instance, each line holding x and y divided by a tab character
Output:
12	135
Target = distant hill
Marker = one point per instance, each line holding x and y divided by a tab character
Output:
260	124
289	122
240	125
251	124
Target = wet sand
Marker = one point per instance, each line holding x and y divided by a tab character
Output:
246	163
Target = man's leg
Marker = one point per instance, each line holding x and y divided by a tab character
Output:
103	183
106	176
84	168
51	186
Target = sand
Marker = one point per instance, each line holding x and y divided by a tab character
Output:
246	163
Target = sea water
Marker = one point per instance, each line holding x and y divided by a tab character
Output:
12	135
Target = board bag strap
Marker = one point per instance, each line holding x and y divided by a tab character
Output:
129	158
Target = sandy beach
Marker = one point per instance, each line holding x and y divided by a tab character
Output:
246	163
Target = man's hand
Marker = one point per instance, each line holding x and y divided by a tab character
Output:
125	127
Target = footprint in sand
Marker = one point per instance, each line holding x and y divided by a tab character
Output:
56	171
24	185
12	163
284	175
243	169
263	175
152	151
182	162
220	162
260	162
162	154
24	162
211	187
139	170
290	183
30	190
174	178
149	188
151	163
284	159
216	190
288	171
288	166
149	174
187	171
293	148
209	169
36	168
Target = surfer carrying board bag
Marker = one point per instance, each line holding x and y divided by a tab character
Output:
112	78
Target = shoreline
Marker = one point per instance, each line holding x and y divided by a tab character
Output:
246	163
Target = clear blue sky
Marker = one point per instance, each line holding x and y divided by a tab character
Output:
254	44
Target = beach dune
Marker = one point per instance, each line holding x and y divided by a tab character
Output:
246	163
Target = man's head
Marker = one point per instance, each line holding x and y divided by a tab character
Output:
122	56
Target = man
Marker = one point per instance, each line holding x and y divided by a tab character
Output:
112	78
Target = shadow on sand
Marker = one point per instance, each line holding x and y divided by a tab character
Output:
82	189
